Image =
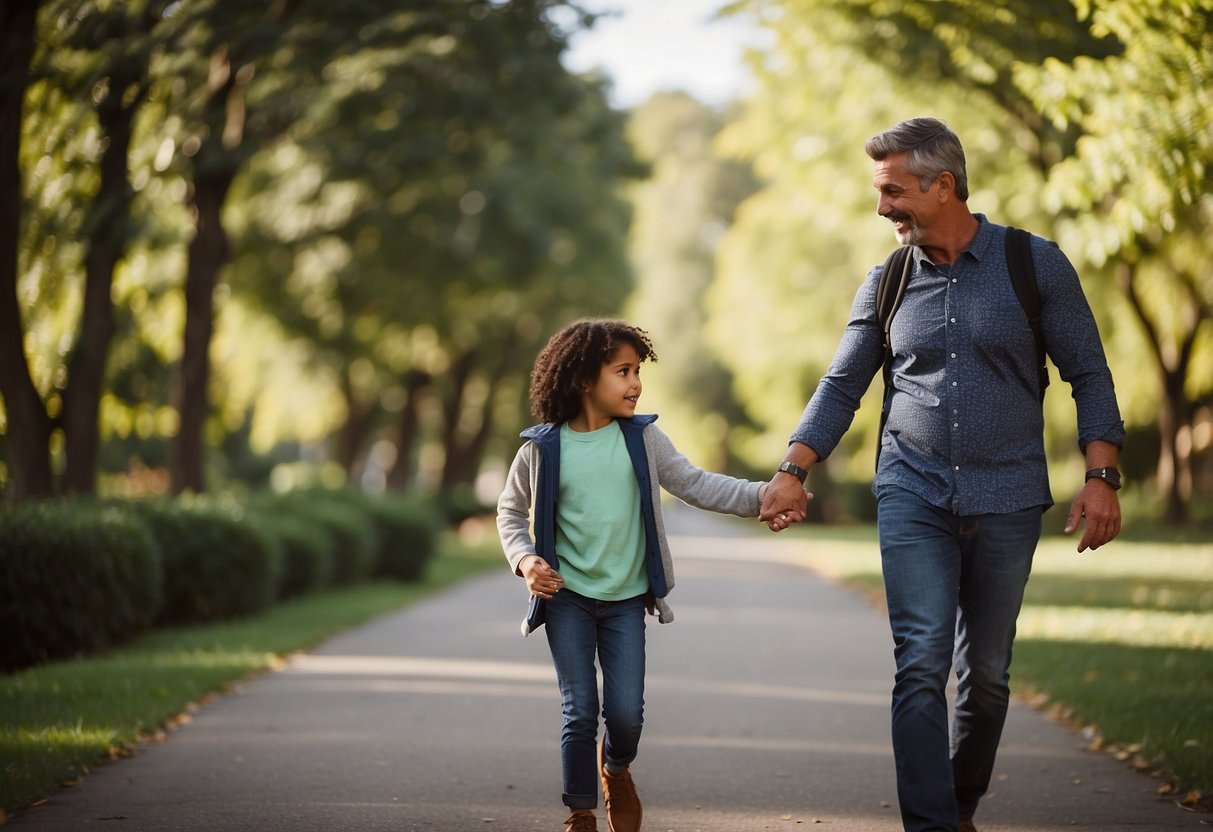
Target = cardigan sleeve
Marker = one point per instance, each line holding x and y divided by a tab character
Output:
514	507
697	487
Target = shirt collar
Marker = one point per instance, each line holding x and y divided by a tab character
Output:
982	240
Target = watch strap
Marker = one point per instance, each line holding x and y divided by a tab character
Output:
795	470
1109	475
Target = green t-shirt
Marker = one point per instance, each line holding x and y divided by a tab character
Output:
599	531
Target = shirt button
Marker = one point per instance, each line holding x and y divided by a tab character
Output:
953	355
957	468
953	280
956	424
953	320
953	384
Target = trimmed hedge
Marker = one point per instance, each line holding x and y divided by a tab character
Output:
408	536
346	517
75	576
217	564
308	549
78	575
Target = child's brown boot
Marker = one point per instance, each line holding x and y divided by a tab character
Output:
623	808
582	820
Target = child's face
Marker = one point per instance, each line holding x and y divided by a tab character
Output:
617	389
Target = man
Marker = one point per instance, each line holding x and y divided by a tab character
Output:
961	484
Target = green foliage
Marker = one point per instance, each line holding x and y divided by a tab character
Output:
1136	196
216	563
417	186
478	211
682	211
74	576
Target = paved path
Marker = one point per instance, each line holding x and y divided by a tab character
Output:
766	709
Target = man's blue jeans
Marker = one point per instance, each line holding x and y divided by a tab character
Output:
954	586
578	628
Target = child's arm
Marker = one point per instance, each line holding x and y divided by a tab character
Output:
697	487
514	527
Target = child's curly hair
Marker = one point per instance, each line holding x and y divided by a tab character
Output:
573	358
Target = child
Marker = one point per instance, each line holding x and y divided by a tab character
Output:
599	558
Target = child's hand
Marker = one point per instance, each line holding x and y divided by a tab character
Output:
541	579
783	504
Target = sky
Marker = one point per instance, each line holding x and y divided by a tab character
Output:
658	45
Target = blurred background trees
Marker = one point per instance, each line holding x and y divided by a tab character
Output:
274	243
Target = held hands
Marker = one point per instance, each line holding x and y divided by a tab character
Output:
541	579
1098	505
784	502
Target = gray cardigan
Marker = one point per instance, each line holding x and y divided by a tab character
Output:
668	469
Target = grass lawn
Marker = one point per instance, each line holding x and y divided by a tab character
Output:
1118	641
59	719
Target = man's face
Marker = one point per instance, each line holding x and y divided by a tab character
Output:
902	202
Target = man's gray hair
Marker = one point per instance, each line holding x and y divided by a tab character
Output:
933	148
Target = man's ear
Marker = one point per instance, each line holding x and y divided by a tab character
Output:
947	185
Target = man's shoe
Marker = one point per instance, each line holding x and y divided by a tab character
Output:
581	822
619	793
966	825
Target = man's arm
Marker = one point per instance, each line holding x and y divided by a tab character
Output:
1096	502
831	409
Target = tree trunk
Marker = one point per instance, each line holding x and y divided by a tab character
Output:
29	427
458	376
400	478
1174	464
208	252
108	234
360	417
465	456
214	170
1174	472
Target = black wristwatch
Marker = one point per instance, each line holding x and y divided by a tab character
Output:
1109	475
795	470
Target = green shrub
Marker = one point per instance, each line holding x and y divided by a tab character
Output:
217	564
346	516
75	576
308	547
408	535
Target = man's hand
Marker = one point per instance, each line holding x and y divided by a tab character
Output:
1099	506
784	502
541	579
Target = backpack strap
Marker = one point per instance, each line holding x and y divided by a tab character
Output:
1023	278
890	289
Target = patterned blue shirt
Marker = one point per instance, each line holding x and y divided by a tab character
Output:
965	428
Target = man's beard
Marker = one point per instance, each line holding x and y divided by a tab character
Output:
912	235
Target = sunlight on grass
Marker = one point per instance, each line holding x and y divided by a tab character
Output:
1058	555
1144	628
